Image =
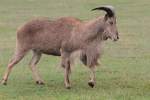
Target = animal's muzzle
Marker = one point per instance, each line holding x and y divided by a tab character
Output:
116	39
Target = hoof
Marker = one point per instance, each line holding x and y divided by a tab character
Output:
91	84
68	87
40	83
3	82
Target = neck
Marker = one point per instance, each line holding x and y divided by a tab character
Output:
94	29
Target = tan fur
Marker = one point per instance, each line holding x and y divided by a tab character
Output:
45	35
63	37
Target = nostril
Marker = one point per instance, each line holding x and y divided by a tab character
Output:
117	37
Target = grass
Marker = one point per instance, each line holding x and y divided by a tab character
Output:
123	75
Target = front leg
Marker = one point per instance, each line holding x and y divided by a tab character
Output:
65	63
92	80
67	75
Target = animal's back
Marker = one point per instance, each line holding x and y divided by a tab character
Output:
46	35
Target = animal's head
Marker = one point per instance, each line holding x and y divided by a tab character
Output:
110	27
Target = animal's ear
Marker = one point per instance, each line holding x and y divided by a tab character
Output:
106	17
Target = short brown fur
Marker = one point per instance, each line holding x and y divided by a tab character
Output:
62	37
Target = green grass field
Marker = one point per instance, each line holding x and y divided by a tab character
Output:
125	70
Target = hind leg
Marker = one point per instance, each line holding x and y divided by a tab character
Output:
19	54
35	59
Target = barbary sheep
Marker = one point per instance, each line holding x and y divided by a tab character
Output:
62	37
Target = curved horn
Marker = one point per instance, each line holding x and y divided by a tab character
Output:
109	9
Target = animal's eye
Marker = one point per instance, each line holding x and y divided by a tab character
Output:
111	23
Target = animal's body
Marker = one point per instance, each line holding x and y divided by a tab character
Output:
62	37
44	35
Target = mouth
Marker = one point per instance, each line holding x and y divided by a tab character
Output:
115	40
105	38
111	38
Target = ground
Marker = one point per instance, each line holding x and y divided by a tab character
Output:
125	65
